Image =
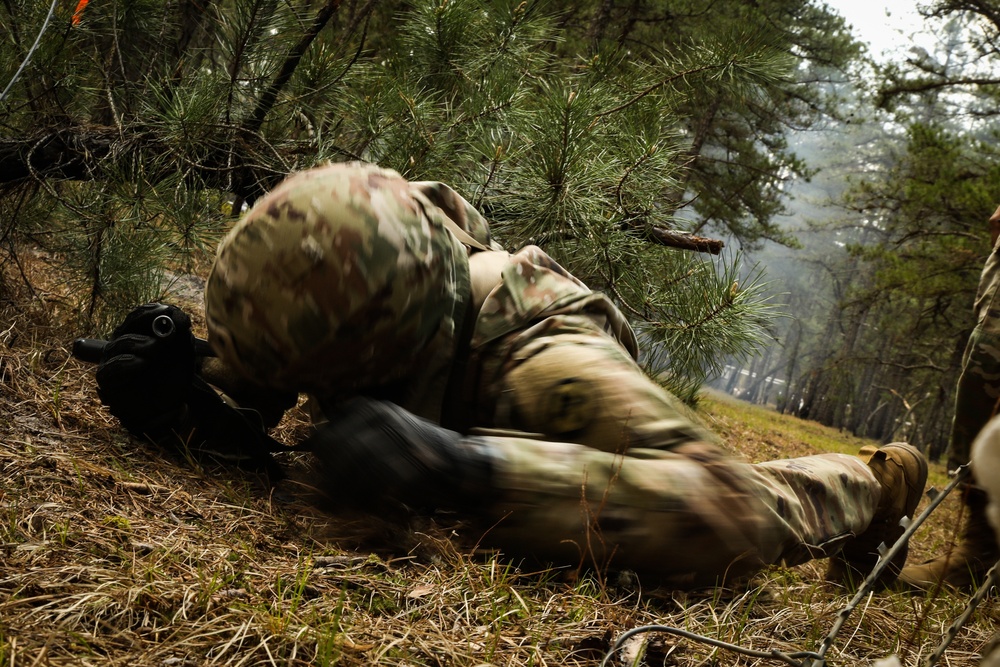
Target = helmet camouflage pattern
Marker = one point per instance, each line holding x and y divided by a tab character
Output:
335	280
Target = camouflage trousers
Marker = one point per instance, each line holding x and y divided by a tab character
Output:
632	484
979	382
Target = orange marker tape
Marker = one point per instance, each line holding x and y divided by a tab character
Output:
80	6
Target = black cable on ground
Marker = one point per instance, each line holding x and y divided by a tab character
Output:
790	658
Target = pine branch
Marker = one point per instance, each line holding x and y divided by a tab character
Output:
660	84
925	86
363	15
267	100
79	154
684	241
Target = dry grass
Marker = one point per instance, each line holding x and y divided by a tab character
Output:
113	552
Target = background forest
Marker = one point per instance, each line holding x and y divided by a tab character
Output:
738	176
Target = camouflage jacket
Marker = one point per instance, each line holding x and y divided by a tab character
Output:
532	298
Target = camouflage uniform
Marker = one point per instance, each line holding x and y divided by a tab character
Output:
975	403
592	461
979	383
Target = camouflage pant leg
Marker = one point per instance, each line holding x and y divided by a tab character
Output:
690	516
583	387
639	486
979	383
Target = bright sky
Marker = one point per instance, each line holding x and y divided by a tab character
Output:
885	25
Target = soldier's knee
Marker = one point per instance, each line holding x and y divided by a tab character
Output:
573	392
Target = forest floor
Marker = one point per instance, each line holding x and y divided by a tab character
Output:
113	552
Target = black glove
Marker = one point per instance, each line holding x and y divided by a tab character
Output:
147	368
372	451
230	435
147	379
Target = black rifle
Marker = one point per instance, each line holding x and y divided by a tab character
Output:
91	349
248	441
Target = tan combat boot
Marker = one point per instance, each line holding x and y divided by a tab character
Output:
966	564
901	471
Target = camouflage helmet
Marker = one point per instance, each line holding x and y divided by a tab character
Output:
334	281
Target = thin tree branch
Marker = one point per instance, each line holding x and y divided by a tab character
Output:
923	86
660	84
266	102
684	241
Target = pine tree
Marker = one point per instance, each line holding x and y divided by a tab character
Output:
140	127
883	360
